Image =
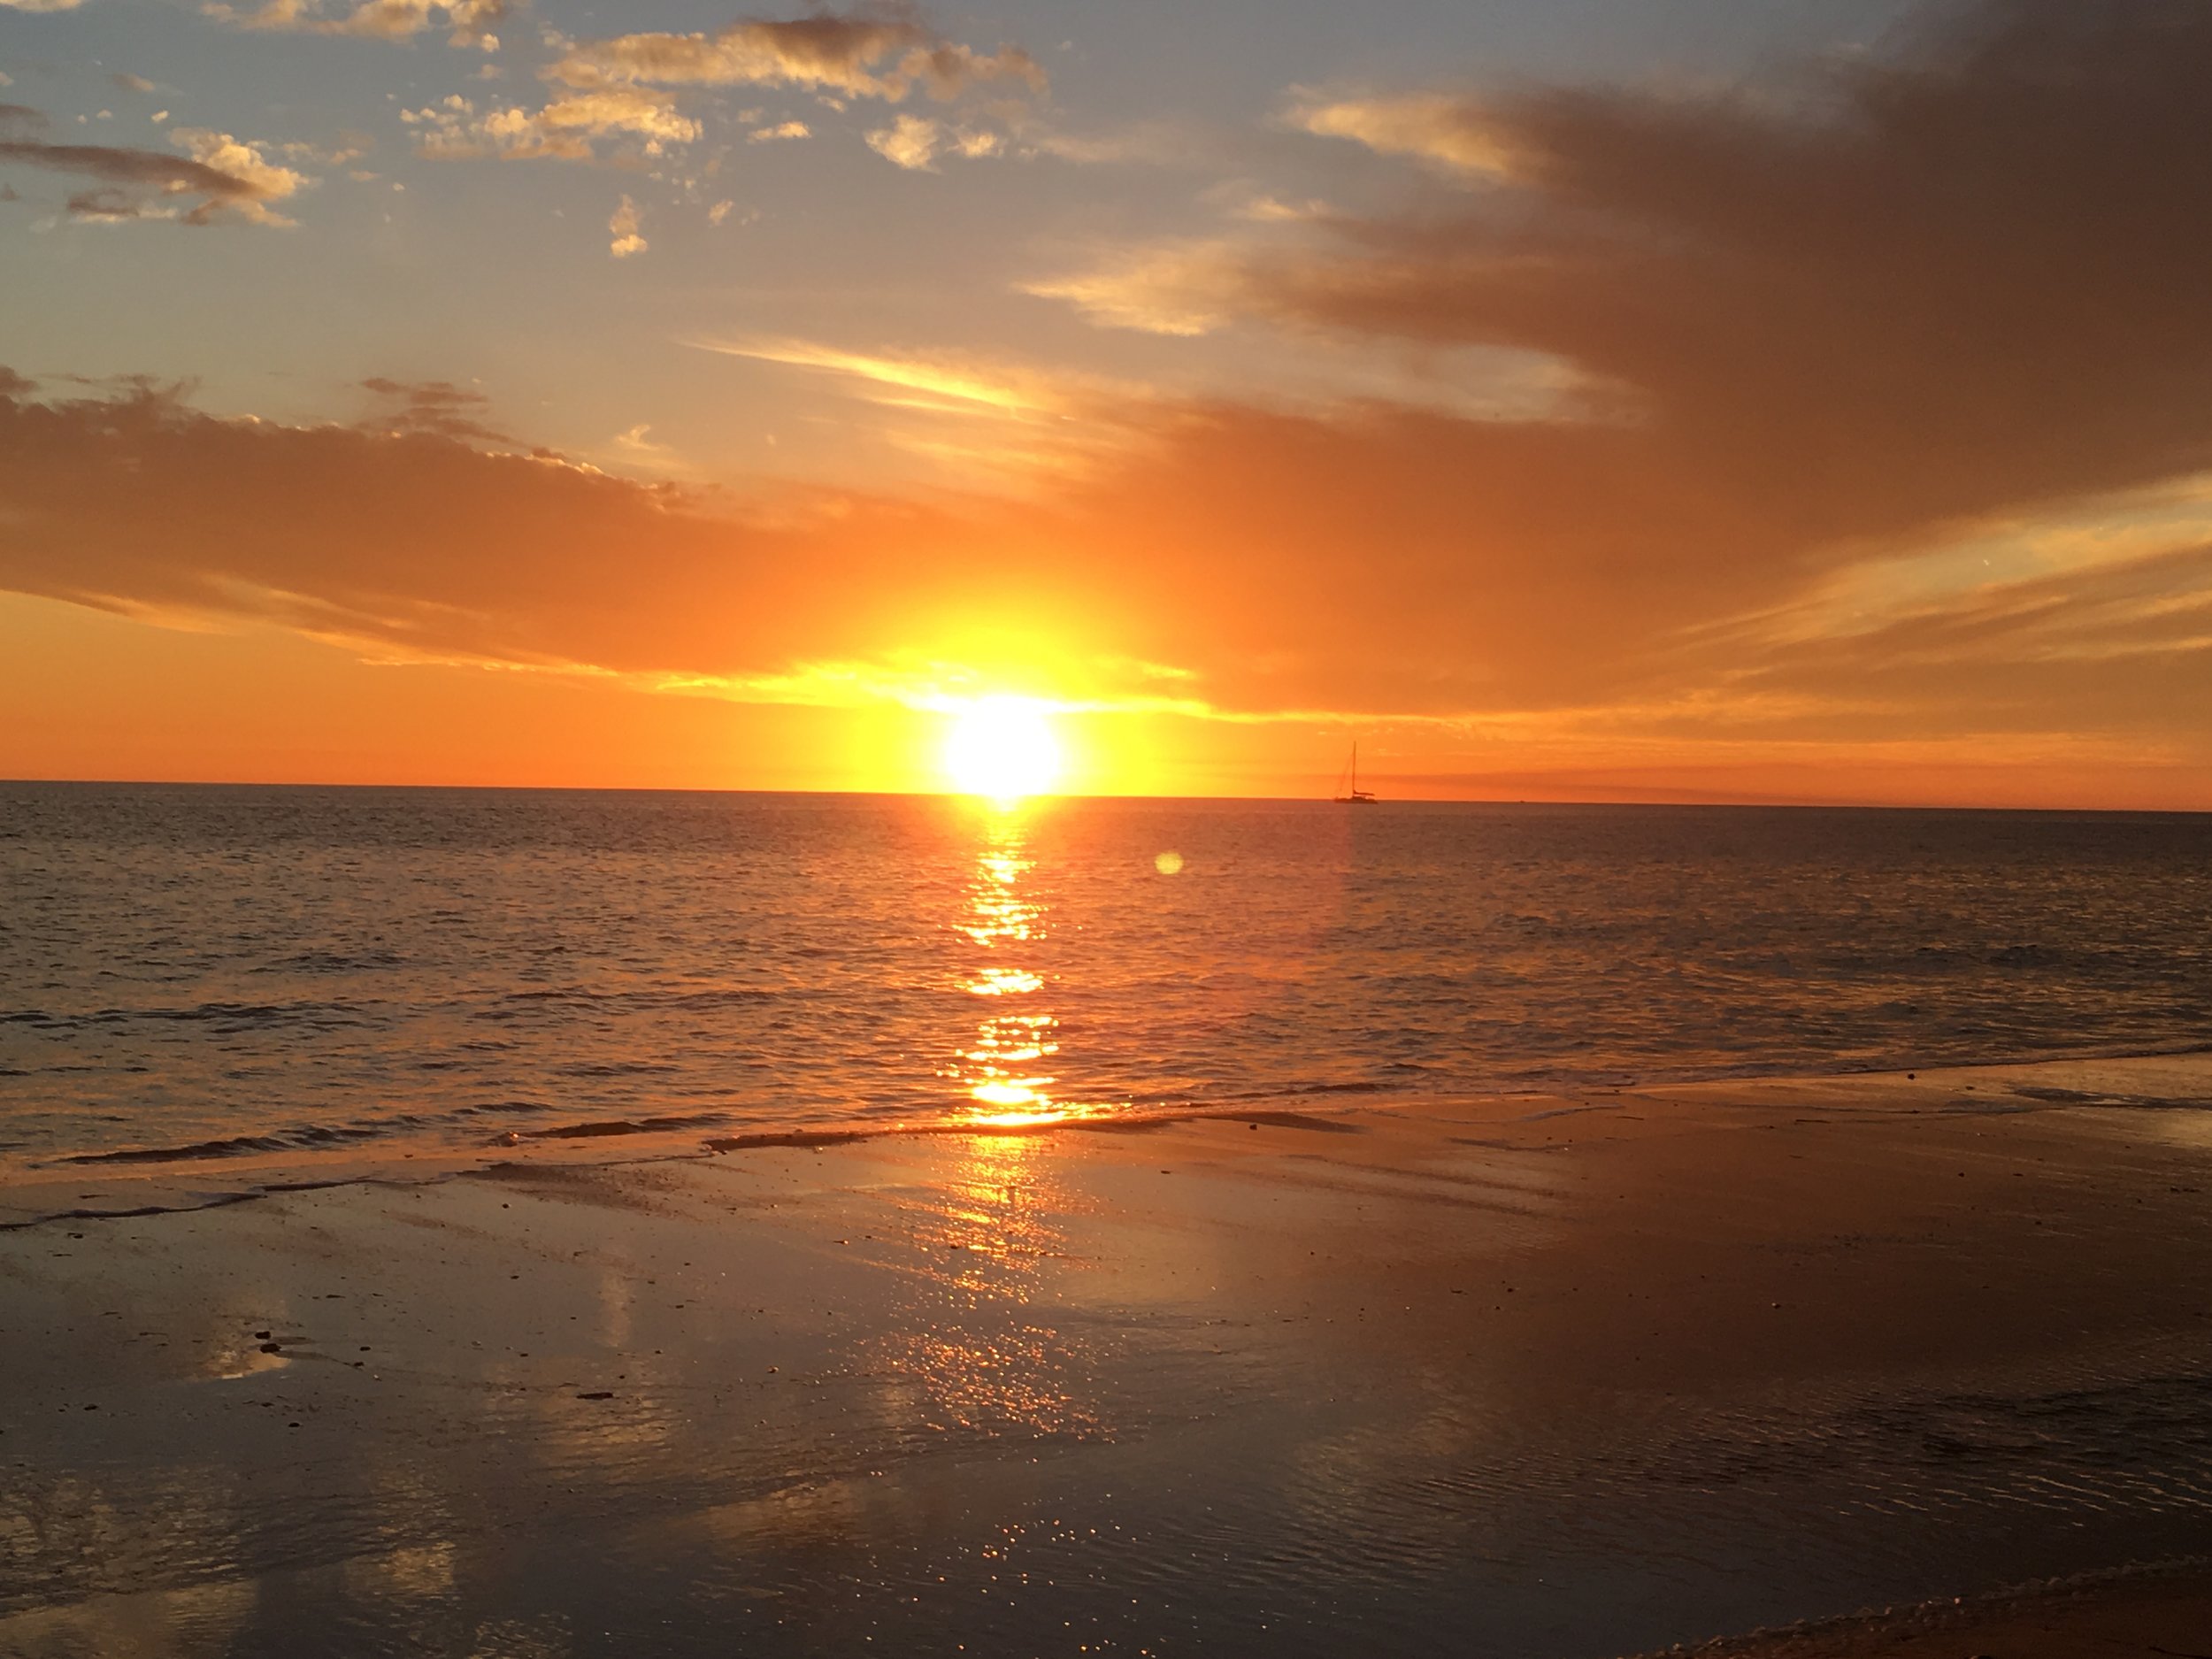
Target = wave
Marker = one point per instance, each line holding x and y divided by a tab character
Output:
186	1202
601	1130
198	1149
333	961
229	1017
715	996
2020	1095
308	1137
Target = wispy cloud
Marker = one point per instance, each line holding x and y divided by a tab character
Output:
639	443
949	379
1178	287
1458	133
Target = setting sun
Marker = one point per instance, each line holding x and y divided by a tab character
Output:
1003	748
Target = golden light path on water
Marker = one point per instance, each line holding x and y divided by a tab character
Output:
1005	1069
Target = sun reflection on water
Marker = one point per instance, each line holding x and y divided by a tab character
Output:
1004	1068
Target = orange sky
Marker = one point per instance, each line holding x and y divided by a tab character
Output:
1831	430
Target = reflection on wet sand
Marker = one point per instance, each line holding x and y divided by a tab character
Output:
972	1353
185	1622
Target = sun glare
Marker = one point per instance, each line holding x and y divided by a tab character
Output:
1002	748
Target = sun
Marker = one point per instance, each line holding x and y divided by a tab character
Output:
1003	747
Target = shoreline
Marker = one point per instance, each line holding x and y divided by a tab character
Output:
160	1181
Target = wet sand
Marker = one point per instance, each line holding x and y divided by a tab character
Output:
1563	1378
2161	1612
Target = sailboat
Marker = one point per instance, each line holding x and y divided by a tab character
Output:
1347	790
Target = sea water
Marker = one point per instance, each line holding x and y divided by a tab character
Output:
206	973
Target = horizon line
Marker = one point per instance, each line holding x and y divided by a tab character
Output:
1737	803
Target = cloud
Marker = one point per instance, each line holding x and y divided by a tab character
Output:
1291	568
564	129
1182	288
1951	284
261	180
132	83
223	178
467	23
1937	286
42	5
432	409
622	226
2114	650
947	382
983	421
421	542
623	88
911	141
852	56
351	146
914	142
1150	143
1458	133
1268	209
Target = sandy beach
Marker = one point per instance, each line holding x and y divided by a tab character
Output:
1549	1376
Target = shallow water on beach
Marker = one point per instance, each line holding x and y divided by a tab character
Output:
205	972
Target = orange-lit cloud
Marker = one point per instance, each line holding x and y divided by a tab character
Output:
468	23
914	142
945	380
1179	287
622	228
856	56
1457	132
564	129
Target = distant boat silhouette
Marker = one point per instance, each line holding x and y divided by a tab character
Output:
1347	790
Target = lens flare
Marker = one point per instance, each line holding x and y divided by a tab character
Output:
1003	748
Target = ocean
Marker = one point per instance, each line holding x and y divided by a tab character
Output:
205	973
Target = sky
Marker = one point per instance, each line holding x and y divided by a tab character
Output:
1698	400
